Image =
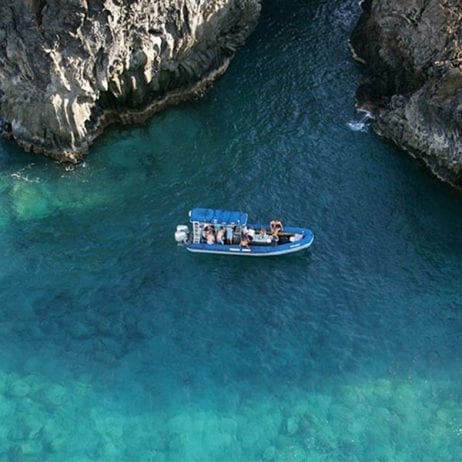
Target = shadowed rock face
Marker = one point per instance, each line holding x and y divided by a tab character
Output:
69	68
412	50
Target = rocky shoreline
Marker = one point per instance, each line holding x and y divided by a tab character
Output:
70	69
412	52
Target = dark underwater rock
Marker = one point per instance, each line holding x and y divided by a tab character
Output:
69	68
412	50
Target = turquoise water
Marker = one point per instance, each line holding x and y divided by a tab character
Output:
117	345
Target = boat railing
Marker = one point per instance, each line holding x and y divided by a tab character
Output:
196	232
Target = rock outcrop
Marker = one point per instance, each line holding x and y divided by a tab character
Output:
69	68
412	50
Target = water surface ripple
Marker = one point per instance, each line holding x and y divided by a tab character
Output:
117	345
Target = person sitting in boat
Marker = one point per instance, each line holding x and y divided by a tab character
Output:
245	238
208	233
276	226
210	238
221	236
207	229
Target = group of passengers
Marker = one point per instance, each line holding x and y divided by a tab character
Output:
248	235
218	234
224	234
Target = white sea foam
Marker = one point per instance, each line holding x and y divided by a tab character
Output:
363	124
358	126
21	175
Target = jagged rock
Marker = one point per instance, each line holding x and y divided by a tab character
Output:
69	68
412	50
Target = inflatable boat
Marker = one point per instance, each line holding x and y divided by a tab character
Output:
229	233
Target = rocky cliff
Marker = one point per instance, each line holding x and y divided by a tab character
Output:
69	68
412	50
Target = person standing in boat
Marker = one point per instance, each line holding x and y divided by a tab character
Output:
229	234
276	226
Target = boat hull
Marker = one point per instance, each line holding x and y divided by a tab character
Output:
258	250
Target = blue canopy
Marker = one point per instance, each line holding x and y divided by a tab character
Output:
223	217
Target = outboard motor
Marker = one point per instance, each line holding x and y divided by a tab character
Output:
182	234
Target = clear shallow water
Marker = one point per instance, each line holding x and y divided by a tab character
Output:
117	345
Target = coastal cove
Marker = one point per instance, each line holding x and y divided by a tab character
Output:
118	345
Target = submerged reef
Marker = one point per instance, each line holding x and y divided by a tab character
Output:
375	419
412	52
70	68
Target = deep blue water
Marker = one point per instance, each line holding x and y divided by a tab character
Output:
118	345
